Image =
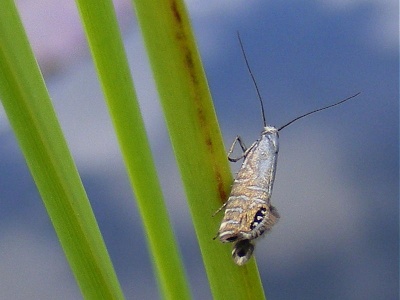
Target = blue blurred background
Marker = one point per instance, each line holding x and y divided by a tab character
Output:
337	183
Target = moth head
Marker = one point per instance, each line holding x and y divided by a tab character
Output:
269	129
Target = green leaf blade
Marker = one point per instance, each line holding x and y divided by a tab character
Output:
112	66
196	140
32	117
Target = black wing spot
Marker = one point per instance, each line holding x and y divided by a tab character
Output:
258	217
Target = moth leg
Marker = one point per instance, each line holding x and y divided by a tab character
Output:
219	209
242	145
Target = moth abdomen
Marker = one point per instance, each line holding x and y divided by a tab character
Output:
246	220
242	252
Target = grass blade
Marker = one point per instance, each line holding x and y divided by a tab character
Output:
106	45
196	139
32	117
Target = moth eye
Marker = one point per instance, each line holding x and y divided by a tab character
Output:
258	217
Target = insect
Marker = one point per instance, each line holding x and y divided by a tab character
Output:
248	211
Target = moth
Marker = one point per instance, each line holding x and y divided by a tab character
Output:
248	211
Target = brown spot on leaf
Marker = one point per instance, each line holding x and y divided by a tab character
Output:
175	11
221	188
192	67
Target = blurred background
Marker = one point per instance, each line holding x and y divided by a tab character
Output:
337	183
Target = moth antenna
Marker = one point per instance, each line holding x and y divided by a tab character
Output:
253	79
317	110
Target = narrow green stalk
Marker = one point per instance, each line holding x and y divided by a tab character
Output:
32	117
106	45
196	139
